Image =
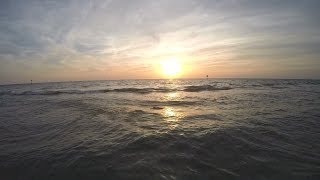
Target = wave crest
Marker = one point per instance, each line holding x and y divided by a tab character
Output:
204	88
118	90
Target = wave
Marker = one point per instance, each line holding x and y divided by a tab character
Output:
160	104
204	117
118	90
141	90
50	92
205	88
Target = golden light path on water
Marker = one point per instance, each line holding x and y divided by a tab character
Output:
172	115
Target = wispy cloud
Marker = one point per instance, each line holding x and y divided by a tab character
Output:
65	37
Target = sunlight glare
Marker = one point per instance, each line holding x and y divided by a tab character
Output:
171	67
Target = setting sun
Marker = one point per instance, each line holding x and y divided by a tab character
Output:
171	67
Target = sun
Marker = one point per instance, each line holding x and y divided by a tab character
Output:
171	67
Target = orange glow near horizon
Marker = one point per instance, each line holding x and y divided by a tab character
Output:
171	68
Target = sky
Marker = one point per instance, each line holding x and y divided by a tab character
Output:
66	40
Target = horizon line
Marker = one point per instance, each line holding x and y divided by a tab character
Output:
244	78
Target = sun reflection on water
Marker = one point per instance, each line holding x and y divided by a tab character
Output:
169	113
172	117
172	96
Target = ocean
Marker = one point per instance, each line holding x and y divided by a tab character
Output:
161	129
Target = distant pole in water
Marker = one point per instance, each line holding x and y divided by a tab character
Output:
31	81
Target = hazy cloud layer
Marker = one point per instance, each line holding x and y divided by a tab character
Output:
53	40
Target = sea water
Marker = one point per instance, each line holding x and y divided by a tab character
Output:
161	129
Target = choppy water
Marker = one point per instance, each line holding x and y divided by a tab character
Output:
161	129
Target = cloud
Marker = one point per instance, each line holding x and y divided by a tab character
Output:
54	36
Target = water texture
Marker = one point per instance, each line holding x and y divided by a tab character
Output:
161	129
